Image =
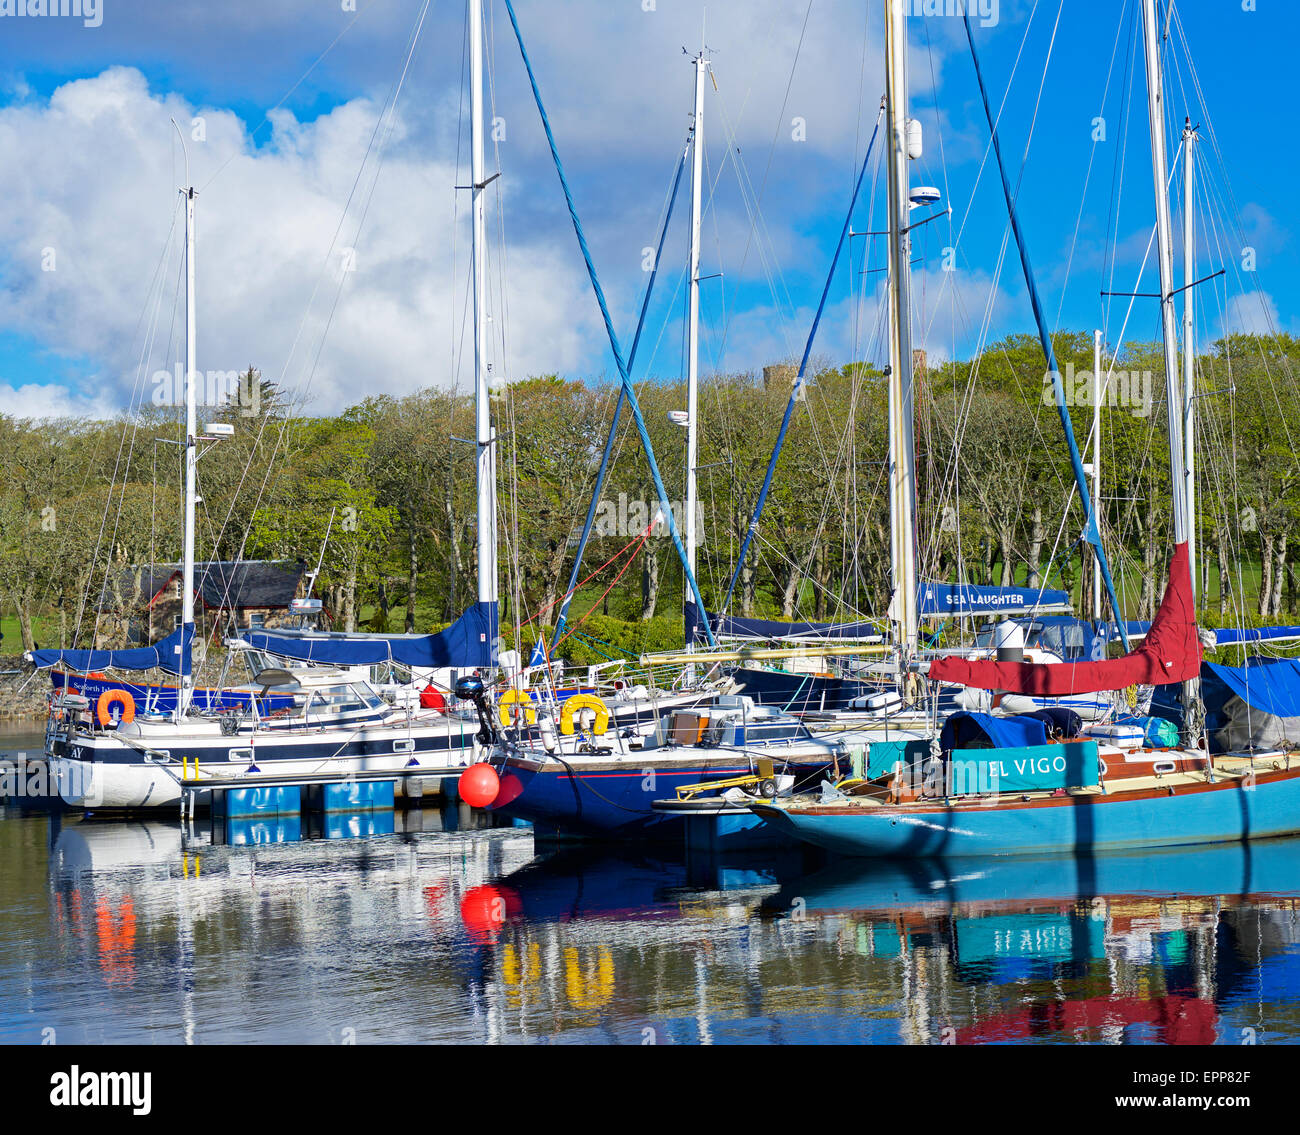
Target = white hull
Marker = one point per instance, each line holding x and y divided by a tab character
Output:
130	787
137	782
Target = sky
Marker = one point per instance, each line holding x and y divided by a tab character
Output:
327	139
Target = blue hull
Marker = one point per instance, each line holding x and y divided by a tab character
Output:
612	802
1224	813
150	697
890	887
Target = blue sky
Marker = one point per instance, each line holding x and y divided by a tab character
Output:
89	167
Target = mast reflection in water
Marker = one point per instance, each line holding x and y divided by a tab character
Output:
123	932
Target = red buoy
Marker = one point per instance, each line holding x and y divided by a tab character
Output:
511	789
486	908
479	785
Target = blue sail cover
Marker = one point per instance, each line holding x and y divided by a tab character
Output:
468	644
731	626
1268	685
538	656
171	654
982	730
978	599
1232	635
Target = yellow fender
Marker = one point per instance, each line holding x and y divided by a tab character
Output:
569	710
589	984
515	697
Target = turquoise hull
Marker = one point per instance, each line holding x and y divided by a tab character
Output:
1228	812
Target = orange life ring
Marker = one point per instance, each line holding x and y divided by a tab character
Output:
106	702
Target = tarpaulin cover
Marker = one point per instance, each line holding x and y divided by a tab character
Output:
171	654
1171	652
467	644
1268	685
1061	723
982	730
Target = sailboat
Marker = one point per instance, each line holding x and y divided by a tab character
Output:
580	772
592	779
1000	786
873	698
305	720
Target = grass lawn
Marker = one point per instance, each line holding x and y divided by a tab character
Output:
44	630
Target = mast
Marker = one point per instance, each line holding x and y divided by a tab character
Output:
691	616
1096	467
902	446
1164	239
1179	406
1189	343
191	461
484	436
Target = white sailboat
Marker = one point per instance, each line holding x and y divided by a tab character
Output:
308	720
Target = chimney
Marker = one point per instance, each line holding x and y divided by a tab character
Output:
779	375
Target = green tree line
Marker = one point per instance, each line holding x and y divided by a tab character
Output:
382	495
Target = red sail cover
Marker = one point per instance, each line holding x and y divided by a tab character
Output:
1171	652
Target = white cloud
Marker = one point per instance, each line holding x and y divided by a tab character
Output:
91	173
1250	313
36	401
89	183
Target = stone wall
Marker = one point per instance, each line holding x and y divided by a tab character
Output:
24	694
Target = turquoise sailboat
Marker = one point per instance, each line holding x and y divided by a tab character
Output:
1004	786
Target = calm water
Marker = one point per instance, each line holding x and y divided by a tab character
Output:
116	931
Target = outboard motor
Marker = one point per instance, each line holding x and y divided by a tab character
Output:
473	689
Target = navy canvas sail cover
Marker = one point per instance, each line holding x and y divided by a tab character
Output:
1230	636
1268	685
732	626
468	644
171	654
982	730
932	599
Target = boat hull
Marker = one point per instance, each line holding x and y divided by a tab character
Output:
108	774
1226	812
615	800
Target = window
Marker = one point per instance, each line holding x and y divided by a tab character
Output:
337	700
774	734
368	697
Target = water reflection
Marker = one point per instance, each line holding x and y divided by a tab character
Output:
423	927
1177	946
1195	946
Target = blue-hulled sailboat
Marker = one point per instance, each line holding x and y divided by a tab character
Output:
1017	791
